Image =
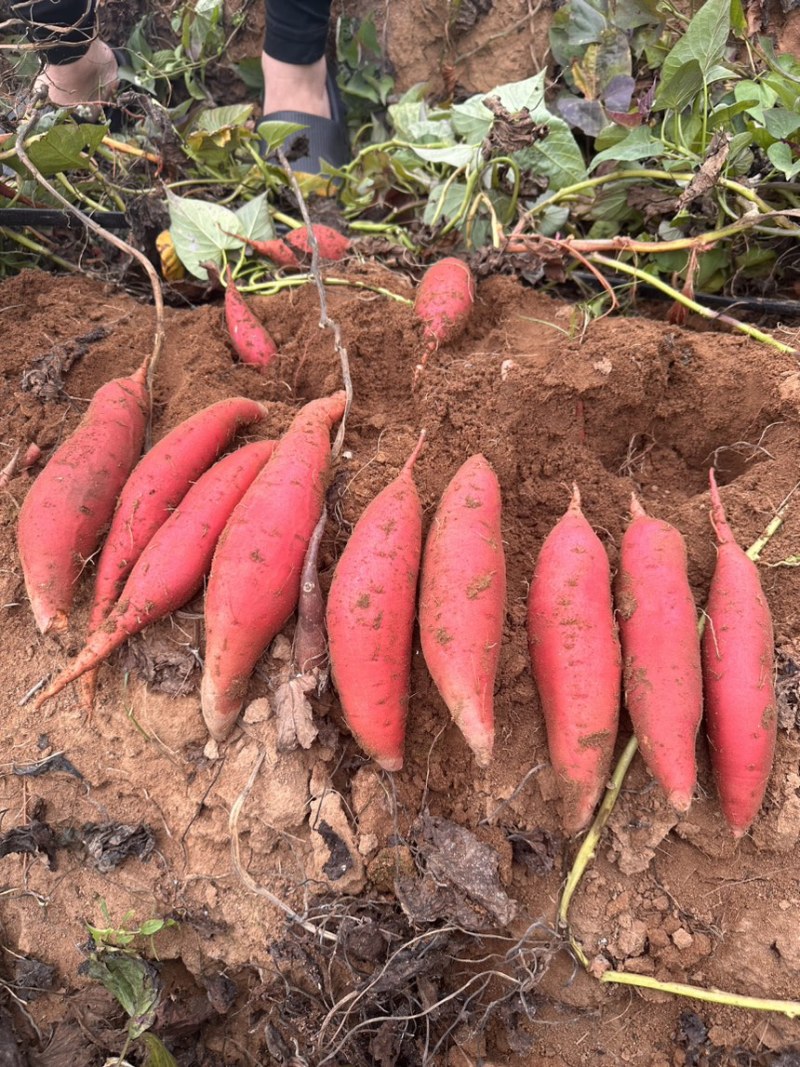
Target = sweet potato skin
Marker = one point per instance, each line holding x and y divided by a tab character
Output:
70	504
255	574
171	568
444	299
738	675
158	484
661	652
370	618
576	660
251	341
462	601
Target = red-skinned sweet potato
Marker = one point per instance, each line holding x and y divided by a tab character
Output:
462	601
370	616
255	575
70	504
576	661
660	652
171	568
739	678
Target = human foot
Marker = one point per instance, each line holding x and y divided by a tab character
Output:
92	77
295	87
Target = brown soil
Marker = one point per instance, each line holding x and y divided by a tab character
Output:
624	405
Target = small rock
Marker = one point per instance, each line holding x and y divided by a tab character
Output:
211	751
682	939
257	711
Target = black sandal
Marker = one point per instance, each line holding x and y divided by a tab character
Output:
328	139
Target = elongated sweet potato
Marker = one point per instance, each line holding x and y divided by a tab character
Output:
462	601
370	617
660	652
171	568
250	340
443	304
70	504
255	575
576	661
157	485
739	678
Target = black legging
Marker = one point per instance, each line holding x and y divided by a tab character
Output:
297	30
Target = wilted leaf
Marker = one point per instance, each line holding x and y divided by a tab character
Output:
133	982
294	712
461	881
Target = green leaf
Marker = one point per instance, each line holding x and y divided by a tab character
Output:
471	120
157	1055
200	232
683	86
551	220
150	927
639	144
440	209
60	148
557	157
275	133
250	72
254	219
781	123
457	155
780	156
133	982
516	95
702	46
213	119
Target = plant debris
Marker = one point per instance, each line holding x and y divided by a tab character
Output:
460	882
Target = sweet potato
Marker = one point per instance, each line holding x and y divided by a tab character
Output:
70	504
251	342
370	616
332	245
288	253
576	661
255	574
462	601
157	485
660	652
738	674
443	304
171	568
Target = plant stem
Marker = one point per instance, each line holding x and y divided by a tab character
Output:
40	250
681	298
790	1008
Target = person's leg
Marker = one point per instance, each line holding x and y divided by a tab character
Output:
78	65
293	60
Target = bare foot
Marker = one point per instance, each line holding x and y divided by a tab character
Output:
292	87
92	77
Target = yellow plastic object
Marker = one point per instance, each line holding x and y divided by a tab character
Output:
172	270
